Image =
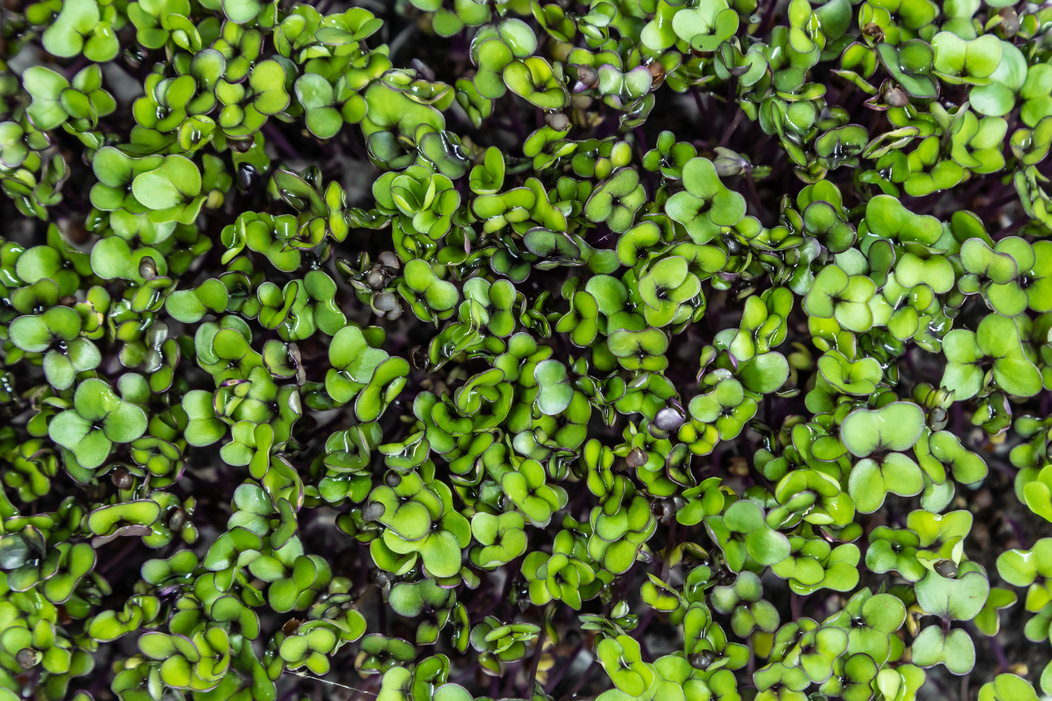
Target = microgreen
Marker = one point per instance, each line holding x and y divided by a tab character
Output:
98	419
438	346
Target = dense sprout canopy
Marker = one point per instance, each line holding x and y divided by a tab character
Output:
419	350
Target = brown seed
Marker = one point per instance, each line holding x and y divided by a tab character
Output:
896	97
701	660
147	268
385	301
637	458
122	479
668	510
240	145
557	121
373	511
588	75
27	658
176	520
946	568
375	279
668	419
389	259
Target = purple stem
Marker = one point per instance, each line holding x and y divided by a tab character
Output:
75	67
121	558
768	15
553	680
647	657
701	106
535	664
754	197
272	132
668	550
738	116
358	148
641	135
581	681
643	148
1020	533
647	618
999	652
510	675
516	120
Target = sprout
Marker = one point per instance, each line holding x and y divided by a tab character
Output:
391	351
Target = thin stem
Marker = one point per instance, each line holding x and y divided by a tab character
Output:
121	558
402	39
580	682
754	197
553	680
697	101
668	549
535	664
358	147
768	16
995	645
516	120
273	133
737	120
641	137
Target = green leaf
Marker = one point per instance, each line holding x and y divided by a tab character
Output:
125	423
45	86
1007	687
240	11
765	373
65	36
960	598
954	649
896	426
554	390
171	184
